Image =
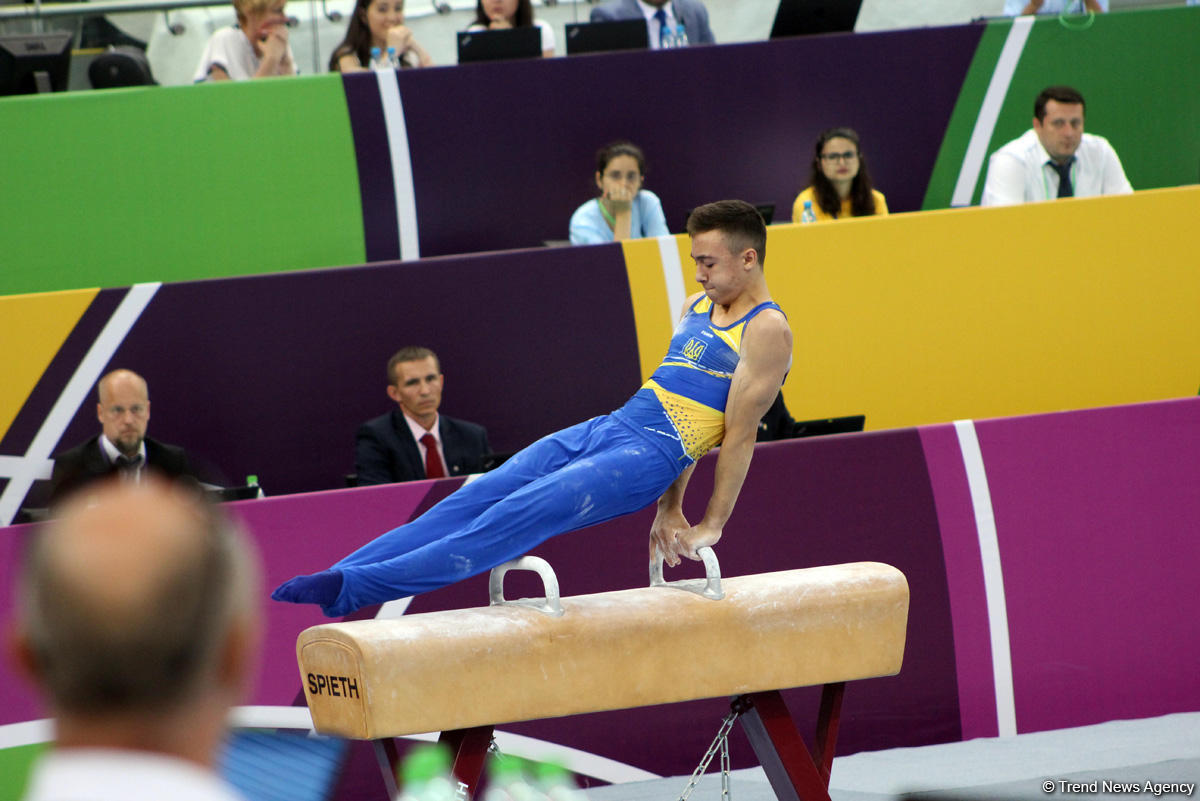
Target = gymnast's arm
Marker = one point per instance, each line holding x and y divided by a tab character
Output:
669	519
765	354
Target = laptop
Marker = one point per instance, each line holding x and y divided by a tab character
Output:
806	17
830	425
224	494
499	45
595	37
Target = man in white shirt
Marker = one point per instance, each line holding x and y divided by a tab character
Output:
1055	158
138	619
1015	8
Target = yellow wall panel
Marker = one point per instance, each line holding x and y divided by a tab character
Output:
32	329
973	313
651	309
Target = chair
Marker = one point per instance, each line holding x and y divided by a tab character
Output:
120	66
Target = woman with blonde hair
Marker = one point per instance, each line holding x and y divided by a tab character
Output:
257	47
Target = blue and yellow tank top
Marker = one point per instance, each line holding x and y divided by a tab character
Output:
691	386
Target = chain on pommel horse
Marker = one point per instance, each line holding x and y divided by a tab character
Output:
463	671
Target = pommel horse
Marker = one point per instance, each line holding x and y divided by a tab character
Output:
463	671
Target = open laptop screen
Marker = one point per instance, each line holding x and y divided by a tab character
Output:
592	37
506	43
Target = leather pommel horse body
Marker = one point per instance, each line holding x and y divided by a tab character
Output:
463	671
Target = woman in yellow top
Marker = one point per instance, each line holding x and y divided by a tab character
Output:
840	185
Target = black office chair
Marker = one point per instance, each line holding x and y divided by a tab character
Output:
120	66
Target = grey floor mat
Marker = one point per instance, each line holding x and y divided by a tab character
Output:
1127	753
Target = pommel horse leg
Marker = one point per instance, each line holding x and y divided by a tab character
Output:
794	774
468	752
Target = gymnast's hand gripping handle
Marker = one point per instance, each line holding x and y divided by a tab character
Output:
712	574
549	605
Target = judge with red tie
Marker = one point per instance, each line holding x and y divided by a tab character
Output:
414	441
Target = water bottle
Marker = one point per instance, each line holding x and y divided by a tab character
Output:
554	781
807	215
681	39
392	60
667	40
507	782
425	775
376	58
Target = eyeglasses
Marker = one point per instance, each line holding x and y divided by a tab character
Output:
136	410
849	155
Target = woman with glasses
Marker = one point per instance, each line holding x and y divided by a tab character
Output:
840	185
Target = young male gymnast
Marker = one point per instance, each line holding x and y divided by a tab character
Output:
726	362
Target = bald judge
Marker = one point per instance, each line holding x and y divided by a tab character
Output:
138	620
122	447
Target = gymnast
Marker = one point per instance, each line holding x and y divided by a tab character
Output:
727	359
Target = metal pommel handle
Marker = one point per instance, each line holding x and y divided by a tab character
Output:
549	605
712	575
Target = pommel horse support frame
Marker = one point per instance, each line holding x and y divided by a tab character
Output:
463	671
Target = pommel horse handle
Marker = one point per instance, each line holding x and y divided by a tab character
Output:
712	575
549	605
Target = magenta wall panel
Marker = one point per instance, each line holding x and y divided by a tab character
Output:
1097	521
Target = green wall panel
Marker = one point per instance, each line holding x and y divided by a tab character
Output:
962	120
1137	71
170	184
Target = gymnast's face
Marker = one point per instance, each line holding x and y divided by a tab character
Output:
418	389
720	269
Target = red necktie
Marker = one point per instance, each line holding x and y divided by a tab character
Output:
433	462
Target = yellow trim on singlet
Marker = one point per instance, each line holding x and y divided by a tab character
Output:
701	428
693	366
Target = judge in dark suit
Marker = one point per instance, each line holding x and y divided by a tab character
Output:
122	445
690	13
413	441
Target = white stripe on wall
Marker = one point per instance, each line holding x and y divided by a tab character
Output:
989	112
668	251
993	577
32	466
397	135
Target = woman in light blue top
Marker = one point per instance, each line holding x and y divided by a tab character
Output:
624	209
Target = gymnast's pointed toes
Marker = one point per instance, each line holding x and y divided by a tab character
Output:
319	588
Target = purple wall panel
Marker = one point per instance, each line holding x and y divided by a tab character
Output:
964	576
376	185
734	121
1098	519
240	352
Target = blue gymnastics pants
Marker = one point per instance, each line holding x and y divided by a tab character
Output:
583	475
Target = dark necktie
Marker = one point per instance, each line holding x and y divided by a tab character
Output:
1064	178
663	31
127	466
433	462
129	462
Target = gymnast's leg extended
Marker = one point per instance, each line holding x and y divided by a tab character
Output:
580	476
